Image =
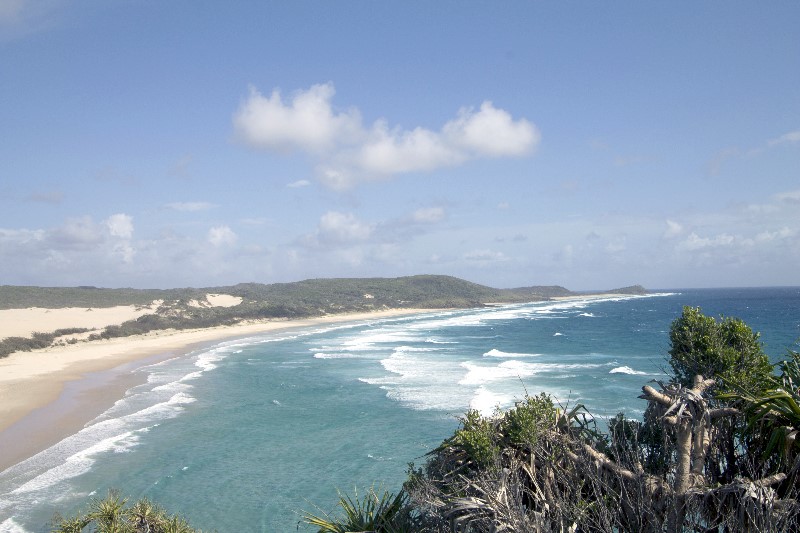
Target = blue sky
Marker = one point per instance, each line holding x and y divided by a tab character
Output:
587	144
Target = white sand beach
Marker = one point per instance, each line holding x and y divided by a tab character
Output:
48	394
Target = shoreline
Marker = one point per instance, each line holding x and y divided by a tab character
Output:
49	394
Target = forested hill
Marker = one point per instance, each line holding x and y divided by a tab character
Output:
191	308
308	297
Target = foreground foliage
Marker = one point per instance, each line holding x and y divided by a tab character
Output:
112	515
379	512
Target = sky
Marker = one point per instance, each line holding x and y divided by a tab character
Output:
591	145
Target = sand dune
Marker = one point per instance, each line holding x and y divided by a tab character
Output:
23	322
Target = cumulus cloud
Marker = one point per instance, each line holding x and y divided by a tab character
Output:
222	236
120	225
347	152
341	228
492	132
297	184
77	233
79	251
695	242
189	206
307	122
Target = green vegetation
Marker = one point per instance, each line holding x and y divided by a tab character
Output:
633	289
773	415
17	297
385	513
36	341
112	515
314	297
726	349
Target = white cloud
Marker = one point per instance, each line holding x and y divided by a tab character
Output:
348	153
428	215
397	152
308	122
673	229
695	242
786	138
491	132
298	183
222	236
125	251
340	228
76	233
189	206
120	225
789	197
768	236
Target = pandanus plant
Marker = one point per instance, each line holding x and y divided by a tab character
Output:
773	414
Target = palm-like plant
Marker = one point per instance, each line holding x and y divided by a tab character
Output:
773	414
69	525
378	513
111	515
175	524
146	516
108	514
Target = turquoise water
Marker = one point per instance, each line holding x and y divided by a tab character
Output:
245	435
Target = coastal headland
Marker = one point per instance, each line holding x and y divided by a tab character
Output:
94	338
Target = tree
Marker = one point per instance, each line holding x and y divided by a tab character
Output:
726	350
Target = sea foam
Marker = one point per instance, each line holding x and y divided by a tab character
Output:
498	353
626	370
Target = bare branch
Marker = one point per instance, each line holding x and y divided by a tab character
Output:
653	395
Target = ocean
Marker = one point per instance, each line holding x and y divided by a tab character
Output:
245	435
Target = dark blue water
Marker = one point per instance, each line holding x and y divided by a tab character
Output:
246	435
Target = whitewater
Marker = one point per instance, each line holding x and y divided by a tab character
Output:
245	435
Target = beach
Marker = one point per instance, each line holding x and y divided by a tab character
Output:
49	394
